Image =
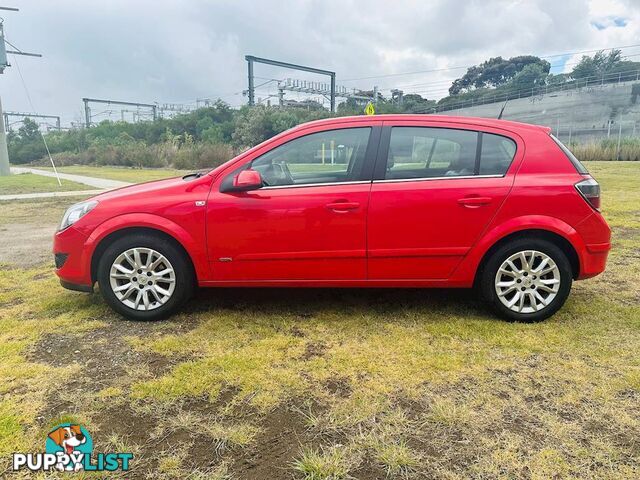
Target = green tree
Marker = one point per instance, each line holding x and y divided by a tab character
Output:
256	124
29	130
532	75
495	72
213	134
414	103
600	64
557	79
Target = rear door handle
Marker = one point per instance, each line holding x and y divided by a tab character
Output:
474	202
342	207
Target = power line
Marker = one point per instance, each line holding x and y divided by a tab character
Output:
46	146
495	95
469	66
437	91
440	82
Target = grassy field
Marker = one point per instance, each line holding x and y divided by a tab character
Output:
29	183
335	384
134	175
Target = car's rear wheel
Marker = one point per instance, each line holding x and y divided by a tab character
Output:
526	280
145	277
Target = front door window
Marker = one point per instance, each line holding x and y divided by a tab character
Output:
324	157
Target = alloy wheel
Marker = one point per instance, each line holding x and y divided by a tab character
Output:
527	281
142	278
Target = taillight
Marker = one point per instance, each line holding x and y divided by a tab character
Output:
590	191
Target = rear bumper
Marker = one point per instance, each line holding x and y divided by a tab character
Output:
593	260
596	235
72	266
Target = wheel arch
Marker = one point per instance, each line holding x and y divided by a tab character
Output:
538	233
111	237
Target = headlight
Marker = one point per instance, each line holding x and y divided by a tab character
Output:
76	212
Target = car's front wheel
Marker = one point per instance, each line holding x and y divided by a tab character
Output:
526	280
145	277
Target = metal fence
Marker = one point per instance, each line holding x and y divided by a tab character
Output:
503	96
613	130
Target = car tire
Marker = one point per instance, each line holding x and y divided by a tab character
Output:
145	277
526	280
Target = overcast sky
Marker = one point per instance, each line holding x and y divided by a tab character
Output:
178	51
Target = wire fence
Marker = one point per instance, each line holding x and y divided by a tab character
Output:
617	140
513	94
613	131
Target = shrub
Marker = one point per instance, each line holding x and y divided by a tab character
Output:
189	156
608	150
201	155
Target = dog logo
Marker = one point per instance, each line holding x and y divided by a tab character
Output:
69	448
70	443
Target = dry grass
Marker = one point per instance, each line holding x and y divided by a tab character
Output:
422	384
333	463
30	307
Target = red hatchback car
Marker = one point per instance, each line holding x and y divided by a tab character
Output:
379	201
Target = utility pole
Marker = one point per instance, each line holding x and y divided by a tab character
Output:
333	92
29	115
276	63
4	153
250	82
315	88
87	113
87	109
280	96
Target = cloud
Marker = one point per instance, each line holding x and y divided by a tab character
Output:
178	51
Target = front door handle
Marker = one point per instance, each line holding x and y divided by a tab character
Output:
474	202
342	207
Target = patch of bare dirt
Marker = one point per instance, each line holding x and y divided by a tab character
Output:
338	386
141	432
626	233
102	353
296	332
370	471
314	349
103	356
26	244
270	457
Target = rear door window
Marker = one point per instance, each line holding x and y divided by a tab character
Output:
496	155
424	152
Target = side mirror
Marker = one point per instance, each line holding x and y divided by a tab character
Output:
247	180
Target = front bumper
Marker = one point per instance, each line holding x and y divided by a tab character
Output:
73	265
77	288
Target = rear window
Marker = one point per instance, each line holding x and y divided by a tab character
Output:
576	163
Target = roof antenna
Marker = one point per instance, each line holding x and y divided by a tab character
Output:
502	109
